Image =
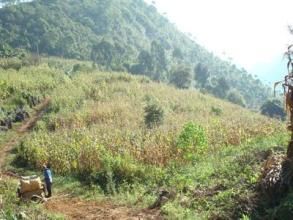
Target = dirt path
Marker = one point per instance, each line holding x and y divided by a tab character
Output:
74	208
24	129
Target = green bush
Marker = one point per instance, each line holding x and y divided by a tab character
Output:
192	140
118	170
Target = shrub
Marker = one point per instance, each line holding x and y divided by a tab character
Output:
192	140
181	77
236	98
274	109
14	63
154	115
81	68
4	93
217	111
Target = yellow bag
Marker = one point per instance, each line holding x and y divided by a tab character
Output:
36	183
30	184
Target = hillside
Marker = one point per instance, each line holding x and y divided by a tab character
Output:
121	139
124	35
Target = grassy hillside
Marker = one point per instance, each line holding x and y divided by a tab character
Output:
124	35
125	137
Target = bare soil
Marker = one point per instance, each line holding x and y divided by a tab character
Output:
74	208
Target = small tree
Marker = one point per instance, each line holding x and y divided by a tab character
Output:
191	140
201	74
222	87
274	109
145	65
159	57
154	115
236	98
181	77
103	53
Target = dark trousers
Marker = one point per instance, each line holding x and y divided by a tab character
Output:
48	188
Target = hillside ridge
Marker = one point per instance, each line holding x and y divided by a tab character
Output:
125	35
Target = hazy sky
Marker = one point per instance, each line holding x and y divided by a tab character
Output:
253	33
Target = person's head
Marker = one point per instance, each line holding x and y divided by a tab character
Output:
46	166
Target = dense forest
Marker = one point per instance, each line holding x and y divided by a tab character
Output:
124	35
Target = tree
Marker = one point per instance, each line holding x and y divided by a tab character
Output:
274	109
159	59
146	61
6	51
152	64
9	2
103	53
145	64
236	98
177	53
220	90
201	74
181	77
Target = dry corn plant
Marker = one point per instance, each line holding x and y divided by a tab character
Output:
277	171
287	84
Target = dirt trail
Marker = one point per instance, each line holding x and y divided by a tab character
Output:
24	128
74	208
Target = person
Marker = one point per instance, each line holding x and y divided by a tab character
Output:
48	179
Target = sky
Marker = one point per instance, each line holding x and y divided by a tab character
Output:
254	33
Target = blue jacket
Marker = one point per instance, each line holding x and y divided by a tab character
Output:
48	175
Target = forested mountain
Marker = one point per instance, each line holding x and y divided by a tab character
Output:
124	35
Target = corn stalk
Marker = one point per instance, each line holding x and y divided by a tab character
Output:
287	84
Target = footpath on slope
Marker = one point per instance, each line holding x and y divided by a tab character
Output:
23	130
73	208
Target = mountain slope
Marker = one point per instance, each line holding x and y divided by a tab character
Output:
123	35
96	136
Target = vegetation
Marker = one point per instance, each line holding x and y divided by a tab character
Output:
154	115
99	122
236	98
181	77
273	108
192	140
126	138
127	35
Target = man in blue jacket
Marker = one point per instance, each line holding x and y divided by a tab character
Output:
48	179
